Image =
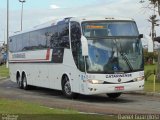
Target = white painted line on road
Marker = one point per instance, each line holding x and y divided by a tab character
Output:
100	114
87	113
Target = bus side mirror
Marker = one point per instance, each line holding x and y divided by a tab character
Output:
140	36
84	46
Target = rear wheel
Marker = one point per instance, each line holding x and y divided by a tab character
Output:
113	95
19	82
66	88
24	82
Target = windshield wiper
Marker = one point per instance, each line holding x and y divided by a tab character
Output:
127	61
123	55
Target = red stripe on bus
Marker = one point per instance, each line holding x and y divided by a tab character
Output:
48	54
35	60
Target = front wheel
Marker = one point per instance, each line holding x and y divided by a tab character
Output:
66	88
113	95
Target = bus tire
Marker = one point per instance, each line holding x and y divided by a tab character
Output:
24	82
113	95
66	88
19	81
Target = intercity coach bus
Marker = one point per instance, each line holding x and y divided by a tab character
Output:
79	55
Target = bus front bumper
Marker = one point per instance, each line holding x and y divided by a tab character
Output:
113	88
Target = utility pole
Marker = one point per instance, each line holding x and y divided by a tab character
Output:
22	1
7	25
7	33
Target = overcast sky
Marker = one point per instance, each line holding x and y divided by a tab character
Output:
39	11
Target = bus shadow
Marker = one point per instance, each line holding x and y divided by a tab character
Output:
81	98
104	99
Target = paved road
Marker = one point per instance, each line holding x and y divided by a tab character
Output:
128	104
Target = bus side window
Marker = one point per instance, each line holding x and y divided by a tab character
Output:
63	38
42	39
53	37
25	42
76	45
11	44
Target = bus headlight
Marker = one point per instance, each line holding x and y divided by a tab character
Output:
138	79
96	81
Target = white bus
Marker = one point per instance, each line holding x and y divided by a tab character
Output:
79	56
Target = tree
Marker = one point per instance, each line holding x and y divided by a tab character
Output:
155	3
150	57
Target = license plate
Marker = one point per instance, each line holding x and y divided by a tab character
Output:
119	88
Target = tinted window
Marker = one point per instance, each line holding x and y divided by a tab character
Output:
25	42
52	36
18	43
76	45
11	44
63	37
43	41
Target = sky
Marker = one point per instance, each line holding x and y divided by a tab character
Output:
40	11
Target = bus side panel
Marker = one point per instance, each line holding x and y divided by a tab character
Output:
72	70
68	67
13	72
49	75
55	73
42	75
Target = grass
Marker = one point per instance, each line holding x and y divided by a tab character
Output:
31	111
149	83
4	72
149	87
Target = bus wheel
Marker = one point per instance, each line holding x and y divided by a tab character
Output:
113	95
66	88
24	82
19	82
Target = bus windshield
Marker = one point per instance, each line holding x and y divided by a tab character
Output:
113	54
106	29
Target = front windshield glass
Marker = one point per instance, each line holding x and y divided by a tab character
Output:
105	29
113	54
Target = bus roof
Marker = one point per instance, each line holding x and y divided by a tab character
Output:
102	18
78	19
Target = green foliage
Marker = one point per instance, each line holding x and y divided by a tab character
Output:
149	58
20	107
4	72
149	71
149	83
31	111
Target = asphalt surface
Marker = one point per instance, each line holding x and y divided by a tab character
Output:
101	104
